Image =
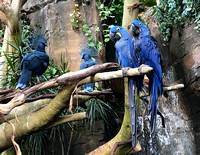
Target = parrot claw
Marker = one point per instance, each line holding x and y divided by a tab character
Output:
125	71
140	68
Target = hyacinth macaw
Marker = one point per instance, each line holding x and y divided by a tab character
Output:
86	54
126	58
148	53
34	63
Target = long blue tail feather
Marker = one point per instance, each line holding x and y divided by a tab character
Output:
156	88
24	78
132	108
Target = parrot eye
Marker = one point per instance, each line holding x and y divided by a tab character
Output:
118	29
140	24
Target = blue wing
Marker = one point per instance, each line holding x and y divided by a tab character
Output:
88	87
125	54
150	55
32	64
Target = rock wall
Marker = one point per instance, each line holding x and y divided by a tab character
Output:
52	18
181	108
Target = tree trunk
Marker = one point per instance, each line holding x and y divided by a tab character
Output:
130	13
10	15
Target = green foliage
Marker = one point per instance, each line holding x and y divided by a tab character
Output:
98	110
36	143
44	142
171	14
149	3
79	23
111	13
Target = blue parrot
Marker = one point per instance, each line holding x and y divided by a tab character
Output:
148	53
34	63
86	54
126	57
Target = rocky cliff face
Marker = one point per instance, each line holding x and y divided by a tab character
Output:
52	18
181	108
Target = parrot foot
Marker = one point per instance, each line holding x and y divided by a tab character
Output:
125	71
140	68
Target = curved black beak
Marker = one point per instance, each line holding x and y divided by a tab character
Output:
82	57
114	36
135	30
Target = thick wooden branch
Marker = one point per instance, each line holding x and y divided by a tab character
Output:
34	122
174	87
70	78
26	108
96	93
115	74
123	134
68	118
32	106
65	79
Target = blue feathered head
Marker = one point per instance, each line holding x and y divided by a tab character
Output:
41	42
139	29
90	51
118	32
38	42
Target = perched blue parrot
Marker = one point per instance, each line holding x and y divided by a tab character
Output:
125	55
34	63
86	54
148	53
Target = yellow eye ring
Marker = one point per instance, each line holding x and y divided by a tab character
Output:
118	29
140	24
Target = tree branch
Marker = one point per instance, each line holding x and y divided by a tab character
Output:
26	108
70	78
65	79
68	118
96	93
35	121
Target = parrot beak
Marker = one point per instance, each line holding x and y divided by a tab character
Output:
114	36
45	44
135	30
82	57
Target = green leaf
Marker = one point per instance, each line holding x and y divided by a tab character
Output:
54	71
89	31
85	26
97	29
86	34
106	39
71	19
75	24
91	44
90	37
107	35
99	46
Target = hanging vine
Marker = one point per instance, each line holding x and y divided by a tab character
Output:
172	14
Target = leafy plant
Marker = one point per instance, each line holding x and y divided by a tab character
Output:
110	13
98	110
171	14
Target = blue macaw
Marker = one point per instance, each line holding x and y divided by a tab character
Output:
86	54
148	53
34	63
125	55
